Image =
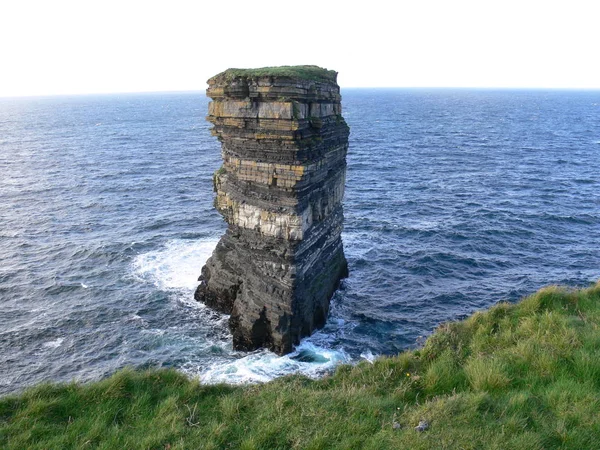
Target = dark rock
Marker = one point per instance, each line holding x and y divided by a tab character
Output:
284	145
423	425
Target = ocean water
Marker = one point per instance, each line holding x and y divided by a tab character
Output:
455	200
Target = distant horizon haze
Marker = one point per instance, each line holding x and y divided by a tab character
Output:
416	88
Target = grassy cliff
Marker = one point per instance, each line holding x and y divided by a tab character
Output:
521	376
313	73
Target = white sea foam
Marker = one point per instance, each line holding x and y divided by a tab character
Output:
176	266
262	366
369	356
53	344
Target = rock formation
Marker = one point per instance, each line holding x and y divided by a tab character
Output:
280	189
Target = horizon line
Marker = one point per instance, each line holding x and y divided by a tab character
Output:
181	91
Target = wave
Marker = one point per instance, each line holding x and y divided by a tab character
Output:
54	343
176	266
308	359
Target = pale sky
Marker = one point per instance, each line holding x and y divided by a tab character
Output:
87	46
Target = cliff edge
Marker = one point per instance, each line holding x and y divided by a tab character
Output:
284	143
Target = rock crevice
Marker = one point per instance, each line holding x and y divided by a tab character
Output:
280	189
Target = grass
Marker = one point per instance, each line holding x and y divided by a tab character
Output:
523	376
313	73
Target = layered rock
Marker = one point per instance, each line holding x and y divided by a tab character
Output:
280	189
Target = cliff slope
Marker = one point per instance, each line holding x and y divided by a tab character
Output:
523	376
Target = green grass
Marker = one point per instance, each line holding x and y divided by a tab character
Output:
523	376
313	73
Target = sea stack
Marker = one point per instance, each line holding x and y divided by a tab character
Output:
280	189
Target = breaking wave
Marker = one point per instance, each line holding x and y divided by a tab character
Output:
175	268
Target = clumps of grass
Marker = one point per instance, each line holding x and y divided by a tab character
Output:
311	73
216	179
443	375
487	374
516	376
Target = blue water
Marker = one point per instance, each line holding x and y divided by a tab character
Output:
455	200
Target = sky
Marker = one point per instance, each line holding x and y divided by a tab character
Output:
88	46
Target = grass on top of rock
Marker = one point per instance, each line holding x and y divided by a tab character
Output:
313	73
522	376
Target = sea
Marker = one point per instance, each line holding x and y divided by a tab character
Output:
456	199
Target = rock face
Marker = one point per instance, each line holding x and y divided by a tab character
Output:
284	145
